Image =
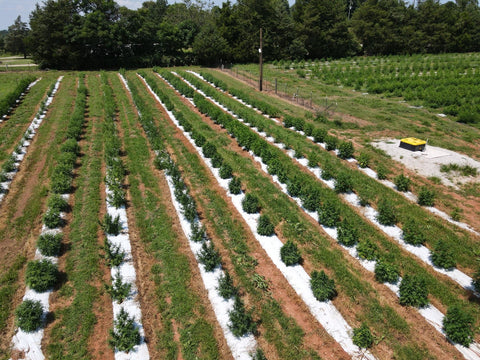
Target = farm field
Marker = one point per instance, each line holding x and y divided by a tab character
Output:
249	226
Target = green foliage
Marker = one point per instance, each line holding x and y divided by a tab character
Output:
61	183
265	226
241	321
458	325
114	256
322	286
442	255
367	249
209	149
402	183
8	100
52	219
209	256
111	225
362	337
49	244
226	288
386	213
412	233
343	183
118	290
125	334
235	186
319	135
259	355
41	275
225	171
70	145
347	234
363	160
57	203
464	170
413	291
250	204
426	197
382	172
198	232
217	161
9	165
328	171
117	196
331	142
28	315
345	150
328	213
386	272
290	254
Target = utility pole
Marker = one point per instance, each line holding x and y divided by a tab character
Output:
261	61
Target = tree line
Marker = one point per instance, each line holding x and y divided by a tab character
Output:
82	34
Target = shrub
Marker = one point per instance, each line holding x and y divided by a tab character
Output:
308	129
217	161
58	203
347	234
3	176
294	187
331	142
52	219
241	321
442	255
290	254
367	249
328	214
49	244
61	183
311	198
362	337
226	289
343	183
345	150
125	334
198	232
9	164
111	225
209	150
328	171
41	275
209	257
386	272
114	256
402	183
319	135
386	213
235	186
28	315
363	160
116	196
313	159
458	325
382	172
118	290
250	204
265	226
412	233
225	171
426	197
413	291
322	286
70	145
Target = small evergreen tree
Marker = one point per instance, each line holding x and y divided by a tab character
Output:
362	337
49	244
217	161
119	290
241	321
114	255
413	291
199	233
386	213
57	203
458	325
226	289
345	150
386	272
343	183
209	150
363	160
347	234
125	334
382	172
328	171
328	213
442	255
412	233
235	186
111	225
41	275
322	286
225	171
331	142
402	183
265	226
52	219
250	204
290	254
28	315
426	197
319	135
209	257
366	249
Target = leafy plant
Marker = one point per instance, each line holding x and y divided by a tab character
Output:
386	213
343	183
250	204
9	164
328	213
347	234
57	203
402	183
426	197
226	289
235	186
241	321
209	256
217	161
413	233
49	244
331	142
198	232
322	286
114	255
209	150
225	171
367	249
413	291
345	150
458	325
41	275
382	172
61	183
28	315
386	272
328	171
290	254
111	225
116	196
119	290
319	135
125	334
70	145
362	337
265	226
52	219
363	160
442	255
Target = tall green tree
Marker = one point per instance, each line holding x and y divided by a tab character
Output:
15	40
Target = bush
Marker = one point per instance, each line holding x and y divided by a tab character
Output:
125	334
343	183
290	254
61	183
225	171
111	225
52	219
226	289
458	325
235	186
250	204
319	135
209	257
41	275
117	196
57	203
412	233
331	142
70	145
198	232
28	315
386	272
118	290
241	321
217	161
366	249
345	150
413	291
328	171
402	183
386	213
328	214
114	256
265	226
426	197
9	164
382	172
362	337
442	255
209	150
347	234
49	244
311	198
322	286
363	160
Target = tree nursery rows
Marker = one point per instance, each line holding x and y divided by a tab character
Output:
181	214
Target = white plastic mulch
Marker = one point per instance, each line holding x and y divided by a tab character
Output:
241	347
430	313
325	312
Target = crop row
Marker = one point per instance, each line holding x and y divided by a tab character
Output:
8	101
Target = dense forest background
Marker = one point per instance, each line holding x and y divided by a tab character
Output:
81	34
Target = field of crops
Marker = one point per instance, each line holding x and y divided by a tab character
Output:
182	214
